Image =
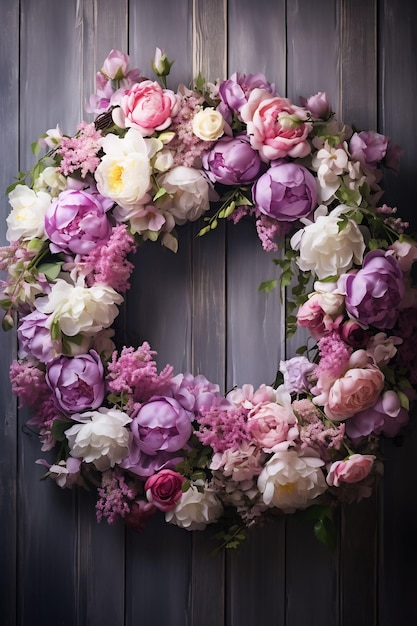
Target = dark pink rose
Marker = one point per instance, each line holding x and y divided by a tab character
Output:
354	335
164	489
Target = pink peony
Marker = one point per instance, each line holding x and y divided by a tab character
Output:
146	107
272	426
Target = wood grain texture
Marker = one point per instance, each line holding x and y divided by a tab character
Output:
200	309
9	112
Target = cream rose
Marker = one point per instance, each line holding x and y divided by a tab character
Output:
27	217
78	309
208	124
196	508
100	438
324	248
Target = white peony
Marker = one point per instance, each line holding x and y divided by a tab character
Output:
196	508
26	220
124	173
324	248
100	438
291	480
189	191
80	309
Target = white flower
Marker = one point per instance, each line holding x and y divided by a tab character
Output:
383	348
240	464
324	248
329	163
78	309
189	192
196	508
291	480
51	181
26	220
208	124
100	438
124	173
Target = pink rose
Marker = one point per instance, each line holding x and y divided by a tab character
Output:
272	426
357	390
276	127
146	107
164	489
321	313
354	469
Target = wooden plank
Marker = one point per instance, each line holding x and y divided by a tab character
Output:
159	310
102	25
397	88
256	574
358	106
9	111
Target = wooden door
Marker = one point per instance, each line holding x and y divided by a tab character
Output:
58	566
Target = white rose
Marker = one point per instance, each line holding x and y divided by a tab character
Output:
291	480
100	438
124	173
208	124
324	249
189	192
195	508
78	309
27	217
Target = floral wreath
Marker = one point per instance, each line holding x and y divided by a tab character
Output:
149	440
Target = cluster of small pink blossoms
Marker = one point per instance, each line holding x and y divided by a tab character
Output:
223	429
80	152
108	263
268	229
334	355
135	374
313	433
187	147
114	496
396	223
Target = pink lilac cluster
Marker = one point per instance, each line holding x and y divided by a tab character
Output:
155	441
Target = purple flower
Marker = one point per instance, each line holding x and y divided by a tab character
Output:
233	161
375	292
160	428
76	221
368	147
34	337
387	416
196	392
298	374
318	105
76	382
234	92
286	192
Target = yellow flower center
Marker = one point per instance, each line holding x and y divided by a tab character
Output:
287	489
116	177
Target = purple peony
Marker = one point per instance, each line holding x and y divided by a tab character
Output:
233	161
286	192
76	222
234	92
375	292
298	374
160	428
368	147
76	382
34	336
386	416
196	392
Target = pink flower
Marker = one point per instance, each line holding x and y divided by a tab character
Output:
146	107
406	254
275	126
115	65
318	105
321	313
272	426
354	469
356	391
386	416
164	489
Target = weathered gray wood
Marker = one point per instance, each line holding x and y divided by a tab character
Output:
397	93
9	110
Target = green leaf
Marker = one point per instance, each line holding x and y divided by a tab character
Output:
160	193
405	403
59	426
325	531
268	285
51	270
55	330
